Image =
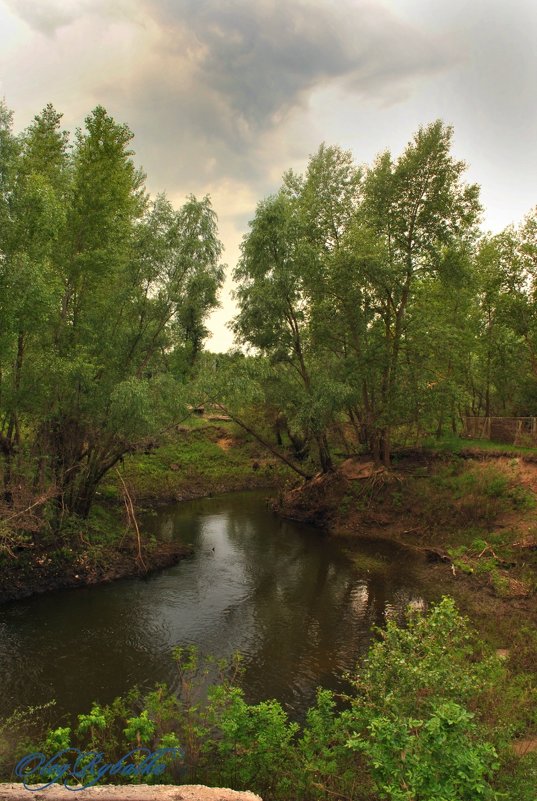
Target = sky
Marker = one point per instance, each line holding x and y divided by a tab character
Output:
223	96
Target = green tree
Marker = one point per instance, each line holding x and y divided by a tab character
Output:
499	363
30	248
417	208
103	285
333	286
282	297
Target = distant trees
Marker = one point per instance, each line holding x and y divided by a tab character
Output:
99	287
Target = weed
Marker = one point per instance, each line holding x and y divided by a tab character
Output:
430	715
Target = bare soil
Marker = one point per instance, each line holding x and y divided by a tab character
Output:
495	583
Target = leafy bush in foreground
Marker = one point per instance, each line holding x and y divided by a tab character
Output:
430	718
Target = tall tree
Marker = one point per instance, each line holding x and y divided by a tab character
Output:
416	207
282	298
333	267
30	257
102	281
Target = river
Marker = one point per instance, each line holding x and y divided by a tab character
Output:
282	593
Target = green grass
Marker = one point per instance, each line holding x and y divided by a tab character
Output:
191	463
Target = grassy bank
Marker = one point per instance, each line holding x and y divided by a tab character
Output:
203	458
473	519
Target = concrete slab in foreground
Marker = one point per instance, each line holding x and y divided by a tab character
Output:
135	792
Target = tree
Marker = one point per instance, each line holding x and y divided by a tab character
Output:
331	273
282	302
110	278
35	218
416	208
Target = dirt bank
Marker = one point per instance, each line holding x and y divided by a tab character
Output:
32	573
472	517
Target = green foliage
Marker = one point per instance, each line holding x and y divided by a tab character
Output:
99	286
431	653
362	276
253	742
430	716
18	732
411	711
140	729
58	740
417	760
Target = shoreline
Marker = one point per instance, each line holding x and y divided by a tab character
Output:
472	517
121	564
35	574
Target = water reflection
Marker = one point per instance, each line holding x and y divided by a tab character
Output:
279	592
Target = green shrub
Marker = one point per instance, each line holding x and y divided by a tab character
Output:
410	710
430	717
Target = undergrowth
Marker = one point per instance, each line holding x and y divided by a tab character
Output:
202	459
431	717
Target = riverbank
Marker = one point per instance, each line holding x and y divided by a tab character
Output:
202	459
471	516
84	560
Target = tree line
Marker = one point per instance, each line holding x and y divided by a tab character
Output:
368	297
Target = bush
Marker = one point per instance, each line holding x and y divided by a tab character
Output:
410	710
430	718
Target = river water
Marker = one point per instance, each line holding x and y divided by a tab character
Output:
283	594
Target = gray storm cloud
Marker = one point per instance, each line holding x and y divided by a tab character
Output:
229	72
219	76
262	58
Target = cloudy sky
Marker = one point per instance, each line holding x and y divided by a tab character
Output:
224	95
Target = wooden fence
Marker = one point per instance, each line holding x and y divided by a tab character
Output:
512	430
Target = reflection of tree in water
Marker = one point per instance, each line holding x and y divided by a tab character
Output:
279	592
401	601
313	614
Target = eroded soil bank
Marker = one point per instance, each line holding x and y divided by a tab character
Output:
472	517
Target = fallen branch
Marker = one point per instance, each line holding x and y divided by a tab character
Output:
485	549
263	442
39	502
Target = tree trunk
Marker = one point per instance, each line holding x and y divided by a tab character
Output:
300	445
374	444
8	474
324	453
386	447
82	502
263	441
